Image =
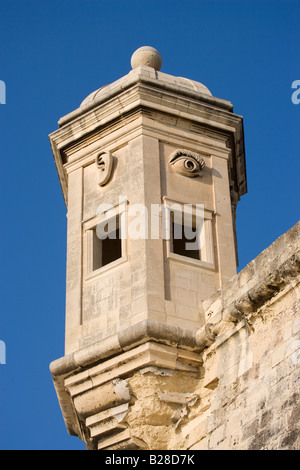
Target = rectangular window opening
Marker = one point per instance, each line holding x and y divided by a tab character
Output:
188	231
180	242
109	249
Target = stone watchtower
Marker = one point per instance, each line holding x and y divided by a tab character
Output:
140	161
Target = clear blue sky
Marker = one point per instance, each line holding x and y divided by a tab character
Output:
53	54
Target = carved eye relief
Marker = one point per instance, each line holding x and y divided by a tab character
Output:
186	163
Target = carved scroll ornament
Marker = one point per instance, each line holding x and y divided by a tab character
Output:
186	163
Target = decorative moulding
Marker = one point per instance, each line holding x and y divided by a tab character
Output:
96	399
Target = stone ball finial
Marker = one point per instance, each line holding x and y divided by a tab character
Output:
146	55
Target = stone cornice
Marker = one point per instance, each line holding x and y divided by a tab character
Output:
125	339
73	374
108	348
161	98
147	76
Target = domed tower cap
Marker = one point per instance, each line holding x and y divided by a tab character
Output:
148	56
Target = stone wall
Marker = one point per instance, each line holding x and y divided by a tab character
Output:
252	368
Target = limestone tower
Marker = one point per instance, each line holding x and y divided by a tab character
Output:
151	169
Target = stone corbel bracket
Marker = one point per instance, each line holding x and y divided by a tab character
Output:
186	163
99	399
91	383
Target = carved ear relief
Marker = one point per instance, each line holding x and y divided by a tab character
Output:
104	163
186	163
